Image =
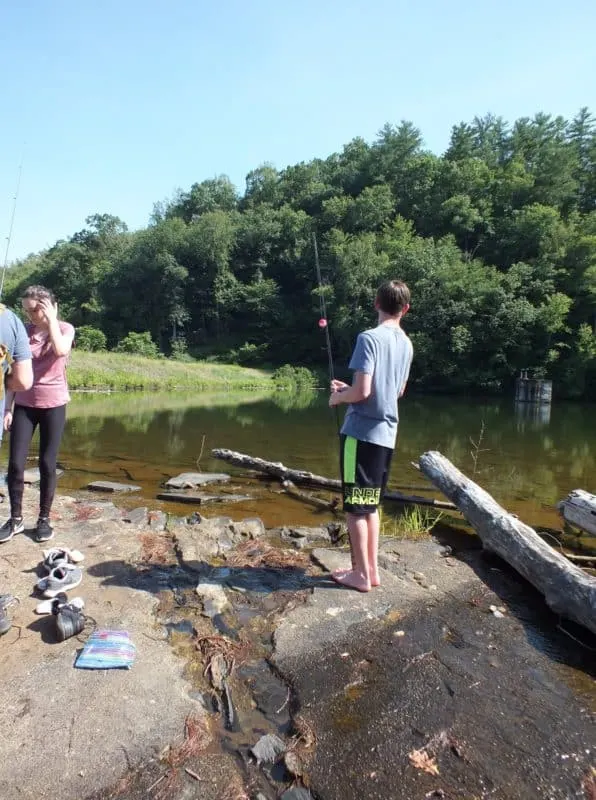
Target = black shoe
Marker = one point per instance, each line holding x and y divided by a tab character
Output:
10	528
6	600
43	530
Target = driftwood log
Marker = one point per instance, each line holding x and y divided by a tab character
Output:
579	509
568	590
301	477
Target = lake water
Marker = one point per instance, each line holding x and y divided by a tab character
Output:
527	459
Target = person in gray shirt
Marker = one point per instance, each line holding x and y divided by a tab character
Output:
381	364
16	376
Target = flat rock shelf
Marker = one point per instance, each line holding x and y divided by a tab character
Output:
111	486
199	498
190	480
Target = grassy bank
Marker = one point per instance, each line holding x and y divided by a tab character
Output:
120	372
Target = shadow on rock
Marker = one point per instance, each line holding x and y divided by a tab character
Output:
46	627
155	578
561	639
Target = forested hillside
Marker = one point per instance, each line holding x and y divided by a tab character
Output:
496	238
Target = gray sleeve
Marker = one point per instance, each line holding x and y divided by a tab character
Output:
408	364
364	355
22	351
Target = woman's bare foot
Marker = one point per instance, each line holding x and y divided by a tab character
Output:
352	580
374	581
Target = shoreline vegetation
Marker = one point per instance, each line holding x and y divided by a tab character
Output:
123	372
496	239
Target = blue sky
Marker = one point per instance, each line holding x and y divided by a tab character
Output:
114	105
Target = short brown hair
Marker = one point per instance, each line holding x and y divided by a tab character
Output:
393	297
38	293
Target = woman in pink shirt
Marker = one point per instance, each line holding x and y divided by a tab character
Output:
44	404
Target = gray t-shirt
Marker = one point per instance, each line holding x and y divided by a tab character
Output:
385	353
14	336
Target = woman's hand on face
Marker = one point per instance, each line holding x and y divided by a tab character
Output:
49	310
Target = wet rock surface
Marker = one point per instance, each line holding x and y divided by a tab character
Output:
416	689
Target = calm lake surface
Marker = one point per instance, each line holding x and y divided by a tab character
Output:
528	459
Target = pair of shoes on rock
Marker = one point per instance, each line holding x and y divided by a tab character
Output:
43	530
6	601
59	556
68	615
62	572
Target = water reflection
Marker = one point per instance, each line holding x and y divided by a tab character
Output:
527	460
294	401
534	415
527	463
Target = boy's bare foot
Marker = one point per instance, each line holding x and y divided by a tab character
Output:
352	580
374	581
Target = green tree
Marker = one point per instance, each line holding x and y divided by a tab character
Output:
216	194
138	344
496	238
90	339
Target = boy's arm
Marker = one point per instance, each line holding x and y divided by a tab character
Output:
359	390
363	364
21	376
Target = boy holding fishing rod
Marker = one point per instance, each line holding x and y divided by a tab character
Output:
381	364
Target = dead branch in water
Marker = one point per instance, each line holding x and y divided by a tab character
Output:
301	477
291	490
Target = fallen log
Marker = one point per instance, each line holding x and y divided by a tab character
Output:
579	509
568	590
283	473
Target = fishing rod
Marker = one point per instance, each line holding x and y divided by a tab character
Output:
323	321
9	237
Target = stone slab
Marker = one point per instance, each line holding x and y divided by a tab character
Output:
157	520
190	480
136	516
111	486
199	498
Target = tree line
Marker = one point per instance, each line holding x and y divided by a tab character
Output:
496	239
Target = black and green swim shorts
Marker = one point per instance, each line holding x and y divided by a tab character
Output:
364	473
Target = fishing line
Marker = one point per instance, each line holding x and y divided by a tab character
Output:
324	322
9	237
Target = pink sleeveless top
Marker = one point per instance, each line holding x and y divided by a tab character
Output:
50	388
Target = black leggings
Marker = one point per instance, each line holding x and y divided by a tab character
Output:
51	427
